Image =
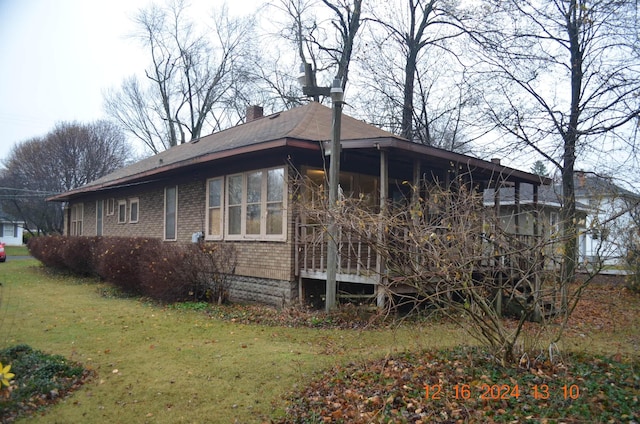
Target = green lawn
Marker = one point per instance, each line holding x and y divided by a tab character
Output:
16	251
169	365
158	365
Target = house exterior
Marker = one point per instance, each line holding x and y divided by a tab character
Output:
610	220
535	212
11	230
238	187
605	216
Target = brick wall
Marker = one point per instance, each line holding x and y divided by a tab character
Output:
271	292
265	269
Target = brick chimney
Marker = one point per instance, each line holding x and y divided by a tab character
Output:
254	112
495	161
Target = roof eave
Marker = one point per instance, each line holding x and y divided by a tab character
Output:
146	175
404	145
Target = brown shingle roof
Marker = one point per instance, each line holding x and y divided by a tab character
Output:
302	127
311	122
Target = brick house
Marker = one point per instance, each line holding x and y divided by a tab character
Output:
236	186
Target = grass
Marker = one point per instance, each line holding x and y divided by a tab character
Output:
16	251
157	364
180	364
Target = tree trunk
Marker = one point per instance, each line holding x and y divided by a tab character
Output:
570	138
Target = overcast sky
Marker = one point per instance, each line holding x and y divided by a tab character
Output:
57	57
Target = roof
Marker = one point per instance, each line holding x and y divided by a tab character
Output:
303	127
7	218
549	195
588	185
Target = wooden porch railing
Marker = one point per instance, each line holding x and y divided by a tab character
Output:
358	261
356	257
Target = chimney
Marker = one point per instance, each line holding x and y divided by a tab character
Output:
254	112
495	161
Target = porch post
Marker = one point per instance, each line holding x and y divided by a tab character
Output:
536	213
517	202
497	251
416	181
384	194
537	312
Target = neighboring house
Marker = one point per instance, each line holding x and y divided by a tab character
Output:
604	215
536	212
610	220
238	186
10	230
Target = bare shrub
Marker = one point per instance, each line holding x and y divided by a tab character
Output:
48	250
211	266
78	255
442	248
118	261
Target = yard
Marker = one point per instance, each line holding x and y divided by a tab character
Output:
166	364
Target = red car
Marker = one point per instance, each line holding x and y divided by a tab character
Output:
3	254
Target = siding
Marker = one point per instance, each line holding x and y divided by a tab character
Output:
265	269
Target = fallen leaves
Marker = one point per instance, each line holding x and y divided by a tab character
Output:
392	390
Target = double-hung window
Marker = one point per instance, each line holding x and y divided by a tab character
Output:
122	211
99	216
77	212
170	212
134	210
255	205
111	206
215	196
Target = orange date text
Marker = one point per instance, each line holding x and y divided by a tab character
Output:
499	391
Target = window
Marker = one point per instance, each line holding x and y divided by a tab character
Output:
7	230
111	206
77	212
235	205
170	212
554	224
99	216
255	204
214	208
134	210
122	211
275	201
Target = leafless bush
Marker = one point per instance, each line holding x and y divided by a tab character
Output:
442	248
211	267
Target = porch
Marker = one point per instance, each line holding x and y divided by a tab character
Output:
357	261
365	278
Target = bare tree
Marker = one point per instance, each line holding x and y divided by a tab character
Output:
324	34
409	64
193	77
70	156
561	78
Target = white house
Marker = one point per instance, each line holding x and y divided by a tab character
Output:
610	221
10	230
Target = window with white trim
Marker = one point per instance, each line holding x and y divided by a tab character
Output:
170	212
111	206
99	216
215	196
134	210
77	212
122	211
255	205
